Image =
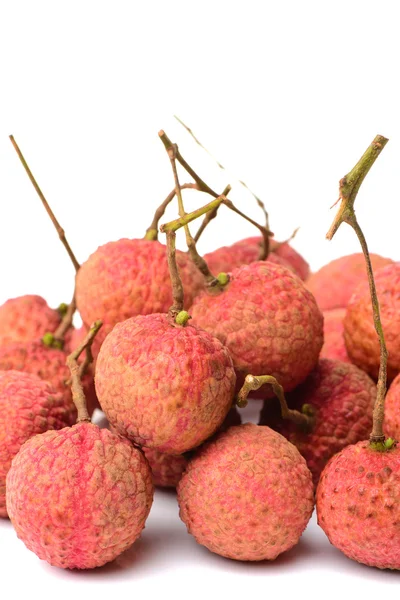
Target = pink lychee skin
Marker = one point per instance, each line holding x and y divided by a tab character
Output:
48	364
130	277
165	387
334	346
96	493
391	425
167	469
342	397
268	320
247	495
26	318
227	258
28	406
282	250
358	504
335	282
361	340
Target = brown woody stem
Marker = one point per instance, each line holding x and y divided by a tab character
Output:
348	189
56	224
242	183
152	231
77	370
176	282
210	216
252	382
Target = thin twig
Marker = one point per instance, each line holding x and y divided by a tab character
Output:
251	382
210	216
152	231
76	369
348	190
56	224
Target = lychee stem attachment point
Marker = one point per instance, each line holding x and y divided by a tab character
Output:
348	190
304	419
206	188
152	231
77	370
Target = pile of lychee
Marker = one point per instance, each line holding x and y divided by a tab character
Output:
169	350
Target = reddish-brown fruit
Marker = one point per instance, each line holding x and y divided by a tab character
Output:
166	469
335	282
391	423
28	406
164	386
130	277
361	340
334	346
48	364
358	504
268	320
94	490
342	399
247	495
26	318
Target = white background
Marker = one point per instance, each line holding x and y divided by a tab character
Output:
287	95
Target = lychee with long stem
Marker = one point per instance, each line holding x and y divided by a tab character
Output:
80	496
358	495
28	406
247	495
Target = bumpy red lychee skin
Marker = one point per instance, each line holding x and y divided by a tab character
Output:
334	346
358	504
48	364
391	425
227	258
335	282
247	495
26	318
342	396
130	277
360	337
28	406
268	320
96	493
165	387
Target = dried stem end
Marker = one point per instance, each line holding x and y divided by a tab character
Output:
49	340
304	419
348	190
77	372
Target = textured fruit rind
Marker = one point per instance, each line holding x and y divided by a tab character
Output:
334	346
391	425
26	318
130	277
79	497
163	386
335	282
361	340
358	504
247	495
268	320
28	406
342	397
228	258
166	469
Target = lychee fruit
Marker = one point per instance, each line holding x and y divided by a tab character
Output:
130	277
360	336
267	319
164	386
80	496
227	258
48	364
335	282
247	495
26	318
391	424
334	346
341	398
28	406
358	504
